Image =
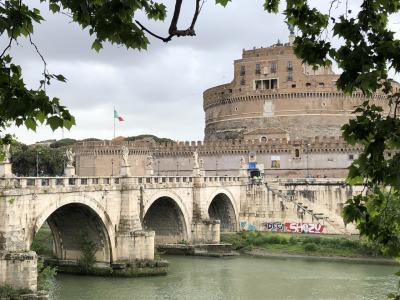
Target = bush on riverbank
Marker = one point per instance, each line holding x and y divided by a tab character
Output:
8	292
46	276
301	244
43	242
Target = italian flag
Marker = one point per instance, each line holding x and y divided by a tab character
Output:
117	116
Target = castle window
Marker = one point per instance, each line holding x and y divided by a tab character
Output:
297	153
290	76
258	69
242	81
351	156
242	70
321	84
236	109
289	66
308	84
274	84
273	68
263	139
266	84
293	85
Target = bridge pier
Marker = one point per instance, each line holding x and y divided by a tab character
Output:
18	269
204	230
132	241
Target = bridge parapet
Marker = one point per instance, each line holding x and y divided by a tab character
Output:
43	182
114	182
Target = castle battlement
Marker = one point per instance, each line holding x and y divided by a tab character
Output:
316	144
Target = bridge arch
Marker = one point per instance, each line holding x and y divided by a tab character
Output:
71	217
166	214
221	206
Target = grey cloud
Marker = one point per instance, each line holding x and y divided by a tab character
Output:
157	91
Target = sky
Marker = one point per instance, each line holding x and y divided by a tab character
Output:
158	91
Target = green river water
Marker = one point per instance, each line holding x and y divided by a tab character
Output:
239	278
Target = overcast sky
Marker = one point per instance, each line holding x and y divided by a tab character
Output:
158	91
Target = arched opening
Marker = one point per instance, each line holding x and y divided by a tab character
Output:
71	226
222	209
166	218
297	153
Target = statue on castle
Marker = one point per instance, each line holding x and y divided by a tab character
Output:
125	155
196	159
291	28
201	164
243	168
70	157
242	163
149	162
7	155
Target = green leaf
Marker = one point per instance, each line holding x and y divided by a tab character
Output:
40	116
60	77
97	45
30	123
19	122
68	123
271	5
54	7
222	2
55	122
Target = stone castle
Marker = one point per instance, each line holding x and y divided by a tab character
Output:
277	112
274	95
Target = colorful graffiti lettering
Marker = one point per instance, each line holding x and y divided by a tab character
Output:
294	227
304	227
275	226
247	226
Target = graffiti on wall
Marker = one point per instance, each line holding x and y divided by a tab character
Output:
275	226
294	227
304	227
247	226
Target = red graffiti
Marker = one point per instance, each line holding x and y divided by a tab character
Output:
304	227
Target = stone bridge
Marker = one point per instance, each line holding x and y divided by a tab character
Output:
126	216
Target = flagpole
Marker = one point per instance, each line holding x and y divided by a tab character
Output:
114	121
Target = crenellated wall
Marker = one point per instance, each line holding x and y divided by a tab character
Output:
318	157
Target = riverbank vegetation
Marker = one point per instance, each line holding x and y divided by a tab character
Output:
313	245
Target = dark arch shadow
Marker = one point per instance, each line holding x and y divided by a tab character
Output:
166	218
221	208
70	225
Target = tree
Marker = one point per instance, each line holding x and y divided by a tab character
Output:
28	160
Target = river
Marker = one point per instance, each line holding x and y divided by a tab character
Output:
239	278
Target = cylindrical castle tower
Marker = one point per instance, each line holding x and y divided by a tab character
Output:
274	95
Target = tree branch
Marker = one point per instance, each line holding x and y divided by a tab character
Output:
175	17
173	29
7	48
143	28
45	73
